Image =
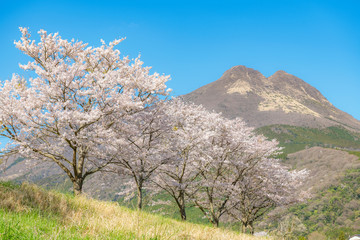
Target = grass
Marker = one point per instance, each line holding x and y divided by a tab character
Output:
29	212
170	210
356	153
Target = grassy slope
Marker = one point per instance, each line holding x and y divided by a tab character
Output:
28	212
292	139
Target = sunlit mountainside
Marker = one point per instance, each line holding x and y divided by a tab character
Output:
279	99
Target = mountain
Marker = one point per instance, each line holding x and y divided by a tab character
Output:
279	99
314	135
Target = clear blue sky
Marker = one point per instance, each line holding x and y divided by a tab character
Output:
196	41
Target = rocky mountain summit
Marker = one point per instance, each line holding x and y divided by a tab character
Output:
279	99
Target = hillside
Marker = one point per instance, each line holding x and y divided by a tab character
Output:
332	157
326	166
295	138
332	213
279	99
335	209
28	212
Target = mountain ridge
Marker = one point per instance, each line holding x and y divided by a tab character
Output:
281	98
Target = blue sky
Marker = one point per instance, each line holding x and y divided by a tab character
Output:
196	41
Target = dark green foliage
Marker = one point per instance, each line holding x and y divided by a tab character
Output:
341	233
335	210
294	138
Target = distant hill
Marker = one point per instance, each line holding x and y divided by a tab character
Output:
279	99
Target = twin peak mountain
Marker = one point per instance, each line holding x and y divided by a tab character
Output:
279	99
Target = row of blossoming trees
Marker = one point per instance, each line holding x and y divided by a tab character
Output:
89	110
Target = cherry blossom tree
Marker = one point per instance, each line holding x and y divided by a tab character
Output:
191	129
141	149
238	175
226	154
64	114
269	184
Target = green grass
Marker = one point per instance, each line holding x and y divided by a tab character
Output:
29	212
23	218
34	225
193	214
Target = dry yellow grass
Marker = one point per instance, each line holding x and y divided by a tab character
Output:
107	220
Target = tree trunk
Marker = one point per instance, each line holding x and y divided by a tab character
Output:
182	213
215	222
181	205
251	228
139	197
243	228
78	167
77	186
